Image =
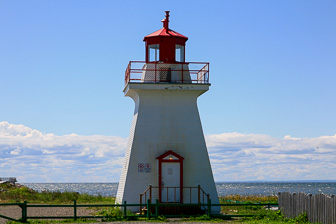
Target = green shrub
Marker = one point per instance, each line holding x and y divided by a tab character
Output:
249	198
111	214
274	217
12	193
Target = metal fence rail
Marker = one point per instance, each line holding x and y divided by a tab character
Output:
123	207
319	208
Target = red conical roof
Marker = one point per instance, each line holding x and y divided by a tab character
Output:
165	31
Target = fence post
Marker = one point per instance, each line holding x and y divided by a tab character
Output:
157	208
125	215
148	209
24	211
209	208
309	208
333	209
75	210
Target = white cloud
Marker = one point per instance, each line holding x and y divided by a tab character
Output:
15	152
32	156
236	156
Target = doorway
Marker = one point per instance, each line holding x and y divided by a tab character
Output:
170	191
170	177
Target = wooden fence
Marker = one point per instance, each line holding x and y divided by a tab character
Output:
319	208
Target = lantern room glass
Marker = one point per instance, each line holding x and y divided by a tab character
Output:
179	53
153	52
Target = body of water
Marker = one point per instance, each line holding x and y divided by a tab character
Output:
225	188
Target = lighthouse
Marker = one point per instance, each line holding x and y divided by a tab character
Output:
166	157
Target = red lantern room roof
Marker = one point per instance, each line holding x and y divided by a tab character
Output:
164	43
165	31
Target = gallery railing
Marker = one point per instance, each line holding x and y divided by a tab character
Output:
160	72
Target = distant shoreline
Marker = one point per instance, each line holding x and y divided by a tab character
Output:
223	188
217	182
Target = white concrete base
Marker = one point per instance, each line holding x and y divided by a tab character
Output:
165	118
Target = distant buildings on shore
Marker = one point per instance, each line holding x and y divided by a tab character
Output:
11	180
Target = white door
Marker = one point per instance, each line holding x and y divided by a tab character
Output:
170	182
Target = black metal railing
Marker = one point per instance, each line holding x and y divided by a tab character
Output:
155	207
159	72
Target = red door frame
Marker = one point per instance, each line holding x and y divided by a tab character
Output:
178	160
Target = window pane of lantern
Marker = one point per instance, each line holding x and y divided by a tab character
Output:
179	53
153	52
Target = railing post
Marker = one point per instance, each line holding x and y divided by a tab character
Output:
75	210
182	73
155	72
150	193
148	209
157	208
199	194
125	210
208	197
190	195
209	207
140	209
208	73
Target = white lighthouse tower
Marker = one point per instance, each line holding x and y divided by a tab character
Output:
166	156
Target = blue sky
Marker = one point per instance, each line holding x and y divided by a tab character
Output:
272	70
